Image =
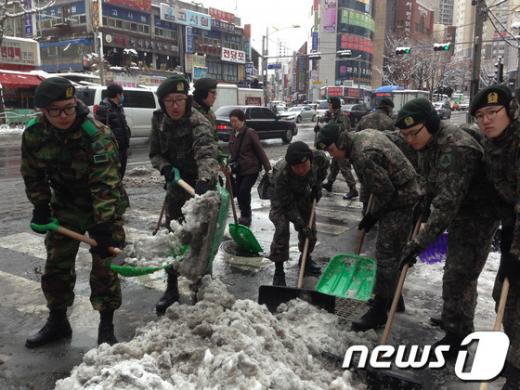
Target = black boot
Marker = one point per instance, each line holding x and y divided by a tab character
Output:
106	328
311	268
327	186
374	318
243	220
279	275
351	194
56	328
171	295
453	340
436	321
512	376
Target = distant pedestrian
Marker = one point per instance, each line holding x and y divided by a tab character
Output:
379	119
204	98
247	158
112	114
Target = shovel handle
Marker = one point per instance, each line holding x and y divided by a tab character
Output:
500	316
163	208
189	189
87	240
361	239
306	245
230	189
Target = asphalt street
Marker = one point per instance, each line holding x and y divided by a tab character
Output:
22	258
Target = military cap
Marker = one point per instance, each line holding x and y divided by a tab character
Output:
297	153
205	84
336	103
417	111
53	89
327	136
385	103
496	95
173	84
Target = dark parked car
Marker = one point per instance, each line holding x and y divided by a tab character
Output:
355	112
264	121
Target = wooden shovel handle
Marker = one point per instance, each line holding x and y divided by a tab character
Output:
231	195
306	245
361	239
163	208
81	237
189	189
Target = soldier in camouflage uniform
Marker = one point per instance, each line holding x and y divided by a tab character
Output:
380	118
204	97
388	176
461	201
334	115
70	166
497	116
181	138
297	181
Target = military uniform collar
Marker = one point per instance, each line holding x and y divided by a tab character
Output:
505	137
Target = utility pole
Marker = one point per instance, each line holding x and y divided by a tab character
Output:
265	53
96	12
480	15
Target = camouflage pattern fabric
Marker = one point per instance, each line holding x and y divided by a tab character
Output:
406	149
81	167
291	202
339	118
208	114
378	120
346	170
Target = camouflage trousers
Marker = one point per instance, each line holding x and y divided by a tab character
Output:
393	232
59	276
282	235
176	196
346	170
469	242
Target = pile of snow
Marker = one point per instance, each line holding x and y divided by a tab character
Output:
220	343
142	175
10	130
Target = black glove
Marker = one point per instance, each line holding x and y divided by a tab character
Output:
316	192
367	222
166	171
102	233
305	232
510	267
41	216
410	253
201	187
316	128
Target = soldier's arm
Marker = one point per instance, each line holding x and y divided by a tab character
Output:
205	149
456	167
156	157
323	163
36	182
515	244
286	198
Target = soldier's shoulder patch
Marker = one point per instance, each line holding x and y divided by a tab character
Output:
101	158
89	127
446	160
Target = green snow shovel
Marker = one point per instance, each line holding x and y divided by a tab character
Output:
348	275
242	235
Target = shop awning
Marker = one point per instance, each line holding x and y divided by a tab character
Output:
19	80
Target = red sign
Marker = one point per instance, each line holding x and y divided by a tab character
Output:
335	91
222	15
355	42
141	5
316	5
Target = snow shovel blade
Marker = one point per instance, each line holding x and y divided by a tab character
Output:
436	251
349	276
244	238
273	296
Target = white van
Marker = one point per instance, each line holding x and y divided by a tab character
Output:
139	105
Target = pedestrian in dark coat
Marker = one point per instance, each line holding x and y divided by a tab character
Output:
247	159
112	114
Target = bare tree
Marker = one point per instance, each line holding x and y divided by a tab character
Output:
17	9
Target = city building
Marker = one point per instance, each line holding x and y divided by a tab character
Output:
413	22
442	9
464	20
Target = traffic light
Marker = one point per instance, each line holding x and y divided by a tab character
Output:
344	53
403	50
441	46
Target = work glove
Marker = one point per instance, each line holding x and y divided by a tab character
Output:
41	217
410	253
316	192
510	267
305	232
102	233
166	171
316	128
201	187
367	222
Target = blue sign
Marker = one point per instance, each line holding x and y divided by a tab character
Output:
28	29
199	72
274	66
314	41
250	69
189	39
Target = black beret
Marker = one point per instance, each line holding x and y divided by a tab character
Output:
173	84
385	102
496	95
327	136
113	90
336	103
205	84
417	111
297	153
53	89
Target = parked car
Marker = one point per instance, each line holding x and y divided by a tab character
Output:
139	105
298	114
355	112
321	108
261	119
464	105
443	109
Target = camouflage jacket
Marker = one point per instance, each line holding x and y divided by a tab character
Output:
406	149
378	120
502	161
80	166
382	170
291	190
208	113
338	118
187	144
451	169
